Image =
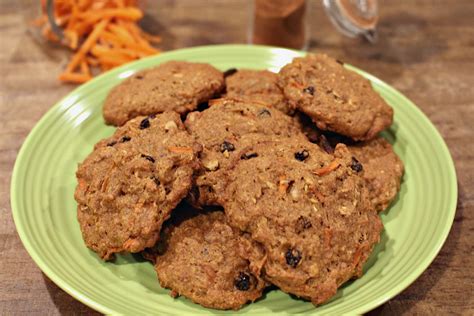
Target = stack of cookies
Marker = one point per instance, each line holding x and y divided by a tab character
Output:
232	182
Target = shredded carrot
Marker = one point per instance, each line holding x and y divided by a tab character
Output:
74	77
327	237
87	45
103	34
85	68
92	61
357	257
73	39
152	38
215	101
133	14
283	185
122	33
180	150
327	169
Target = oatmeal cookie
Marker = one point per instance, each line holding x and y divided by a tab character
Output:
130	183
202	258
337	99
173	86
310	211
259	86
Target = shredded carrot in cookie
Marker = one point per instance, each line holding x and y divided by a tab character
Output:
357	257
283	185
103	34
215	101
327	237
180	150
329	168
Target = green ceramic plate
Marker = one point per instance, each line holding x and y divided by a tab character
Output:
44	209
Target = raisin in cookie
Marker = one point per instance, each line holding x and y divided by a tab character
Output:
203	258
173	86
259	86
131	181
309	210
219	130
383	170
336	99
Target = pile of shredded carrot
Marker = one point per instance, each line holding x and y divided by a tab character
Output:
103	34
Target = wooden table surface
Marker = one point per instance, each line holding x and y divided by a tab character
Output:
426	50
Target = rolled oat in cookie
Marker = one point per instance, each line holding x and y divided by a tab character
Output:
130	183
202	258
173	86
337	99
309	210
259	86
220	129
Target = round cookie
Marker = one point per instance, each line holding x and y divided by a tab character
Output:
383	170
336	99
207	261
259	86
219	130
173	86
310	211
131	181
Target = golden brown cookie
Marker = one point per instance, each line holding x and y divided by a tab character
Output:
337	99
259	86
173	86
201	257
310	211
130	183
219	130
383	170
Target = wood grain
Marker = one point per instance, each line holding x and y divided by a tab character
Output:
426	50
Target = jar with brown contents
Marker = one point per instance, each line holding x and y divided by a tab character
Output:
279	23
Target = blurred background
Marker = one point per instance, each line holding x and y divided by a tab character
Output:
425	48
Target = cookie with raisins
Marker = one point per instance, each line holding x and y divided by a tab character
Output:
383	170
202	258
173	86
336	98
310	211
220	128
130	183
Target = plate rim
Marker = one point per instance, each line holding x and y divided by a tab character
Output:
402	285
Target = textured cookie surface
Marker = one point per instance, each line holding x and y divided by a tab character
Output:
173	86
336	98
207	261
309	210
259	86
383	170
131	181
219	130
